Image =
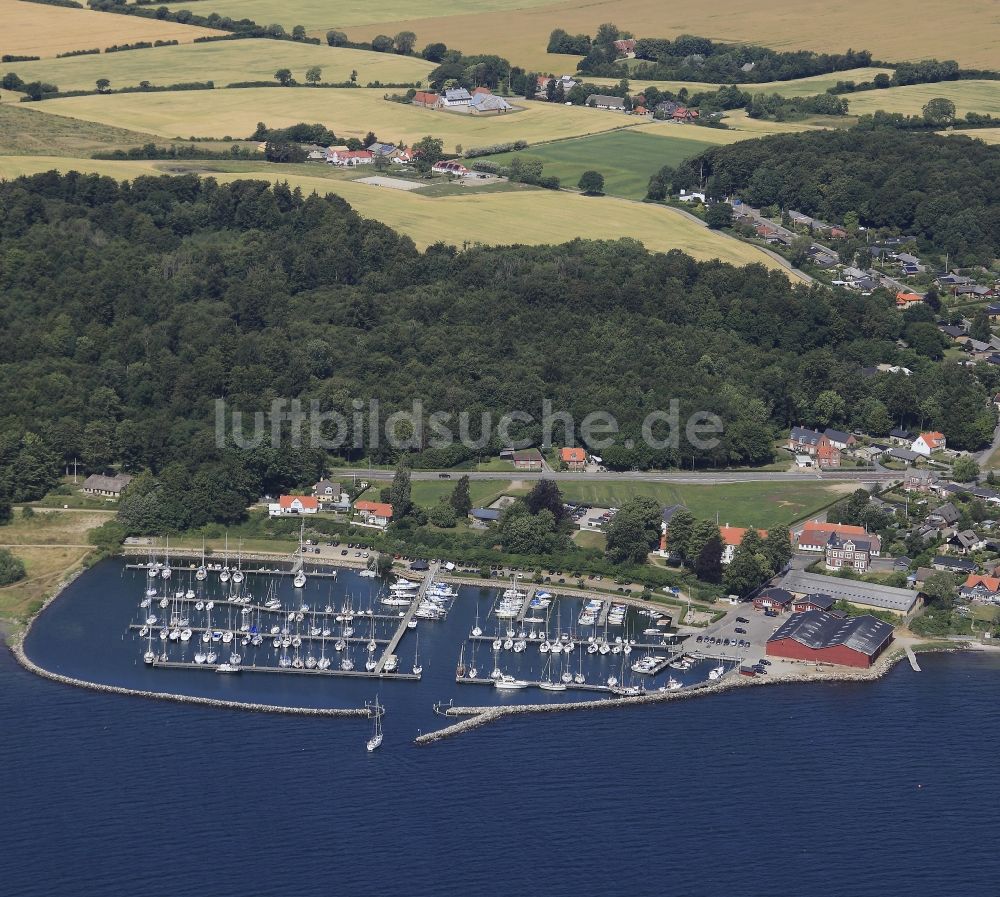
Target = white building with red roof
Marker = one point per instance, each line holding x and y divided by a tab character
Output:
293	504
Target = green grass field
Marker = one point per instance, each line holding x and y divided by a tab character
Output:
762	504
427	493
626	158
224	63
24	131
800	87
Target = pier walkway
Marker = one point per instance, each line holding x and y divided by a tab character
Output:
910	656
406	618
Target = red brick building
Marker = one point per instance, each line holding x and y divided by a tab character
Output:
773	599
820	637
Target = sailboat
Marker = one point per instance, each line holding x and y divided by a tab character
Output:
224	575
165	570
238	573
547	684
376	740
417	668
300	577
201	574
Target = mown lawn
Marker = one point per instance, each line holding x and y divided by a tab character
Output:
627	158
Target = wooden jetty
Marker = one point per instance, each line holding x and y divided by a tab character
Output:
266	636
405	619
355	674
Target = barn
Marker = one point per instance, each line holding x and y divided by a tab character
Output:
828	638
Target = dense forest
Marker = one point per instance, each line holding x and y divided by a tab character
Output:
945	191
127	309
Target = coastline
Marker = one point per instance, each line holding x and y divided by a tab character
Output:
475	717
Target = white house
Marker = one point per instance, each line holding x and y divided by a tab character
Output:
693	196
455	97
926	443
293	504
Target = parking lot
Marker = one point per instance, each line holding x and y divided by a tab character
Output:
758	628
588	518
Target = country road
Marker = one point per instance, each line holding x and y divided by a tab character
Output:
703	479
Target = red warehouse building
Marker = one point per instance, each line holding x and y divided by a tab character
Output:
827	638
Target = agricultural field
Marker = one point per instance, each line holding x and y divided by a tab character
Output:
627	159
908	29
348	112
987	135
526	216
31	29
223	62
320	15
759	504
24	131
800	87
968	96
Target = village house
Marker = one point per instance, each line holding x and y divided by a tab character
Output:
625	46
815	536
926	443
817	445
600	101
839	439
774	600
693	196
848	553
732	537
944	515
527	459
897	453
425	98
109	487
905	299
966	542
350	158
919	480
573	458
292	505
981	588
329	493
373	513
450	166
814	601
899	436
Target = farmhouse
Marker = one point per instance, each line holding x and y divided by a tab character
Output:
111	487
862	594
425	98
487	102
350	158
374	513
293	504
625	46
926	443
527	459
450	166
573	458
828	638
600	101
455	98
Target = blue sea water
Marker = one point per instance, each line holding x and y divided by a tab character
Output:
841	789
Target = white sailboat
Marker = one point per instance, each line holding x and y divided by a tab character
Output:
238	572
201	574
417	668
165	571
300	577
376	740
224	575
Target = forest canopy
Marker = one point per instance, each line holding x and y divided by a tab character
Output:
127	309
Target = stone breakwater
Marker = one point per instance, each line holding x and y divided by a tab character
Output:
16	644
481	716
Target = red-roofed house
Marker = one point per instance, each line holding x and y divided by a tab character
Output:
732	536
374	513
293	504
685	114
350	158
926	443
827	454
815	536
573	458
425	98
904	299
625	46
982	588
450	166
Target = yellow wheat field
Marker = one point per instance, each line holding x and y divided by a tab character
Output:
31	29
529	216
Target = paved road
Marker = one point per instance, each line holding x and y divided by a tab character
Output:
708	478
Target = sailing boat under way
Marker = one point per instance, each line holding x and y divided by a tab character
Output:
376	740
